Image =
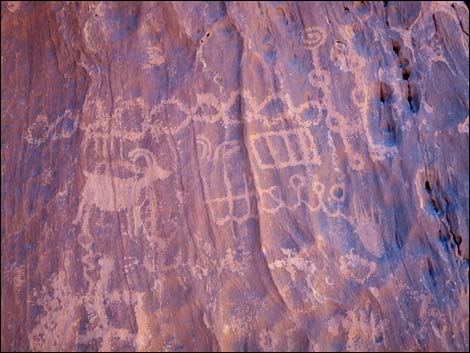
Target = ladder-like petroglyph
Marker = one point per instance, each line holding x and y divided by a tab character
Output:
234	204
224	209
281	149
113	194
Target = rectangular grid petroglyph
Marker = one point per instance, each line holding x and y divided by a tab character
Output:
285	154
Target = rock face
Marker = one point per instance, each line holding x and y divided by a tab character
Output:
235	176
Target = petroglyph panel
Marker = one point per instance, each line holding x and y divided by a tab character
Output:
234	176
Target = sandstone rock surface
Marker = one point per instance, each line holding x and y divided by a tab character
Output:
234	176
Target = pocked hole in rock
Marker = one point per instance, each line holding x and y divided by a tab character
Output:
431	272
413	97
406	74
443	238
396	47
337	192
435	207
403	62
389	132
385	93
427	186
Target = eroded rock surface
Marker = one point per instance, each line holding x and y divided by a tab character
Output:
235	176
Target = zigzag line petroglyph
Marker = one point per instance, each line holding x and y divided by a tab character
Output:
100	189
209	109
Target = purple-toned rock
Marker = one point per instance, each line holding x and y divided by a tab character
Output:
239	176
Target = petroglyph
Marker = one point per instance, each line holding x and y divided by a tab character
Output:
236	261
209	109
234	205
301	192
369	225
57	305
223	208
313	37
39	131
355	267
205	147
272	200
299	267
97	317
63	127
298	182
155	56
293	263
283	149
113	194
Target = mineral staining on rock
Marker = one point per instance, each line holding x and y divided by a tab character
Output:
235	176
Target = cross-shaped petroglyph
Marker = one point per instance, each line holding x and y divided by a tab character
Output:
227	205
233	206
